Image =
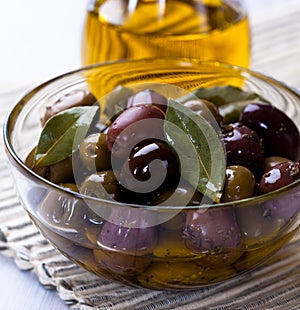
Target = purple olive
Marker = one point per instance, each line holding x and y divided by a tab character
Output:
279	133
151	164
210	230
137	129
243	146
148	96
75	98
128	230
278	176
286	205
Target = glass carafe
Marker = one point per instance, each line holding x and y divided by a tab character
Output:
131	29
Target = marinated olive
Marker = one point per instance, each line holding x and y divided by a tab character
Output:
75	98
177	196
67	215
270	161
60	172
61	211
71	186
170	244
148	96
278	176
256	225
121	263
128	230
220	257
102	185
82	254
205	108
175	274
165	274
284	207
174	221
212	229
94	153
151	164
243	146
136	129
239	183
231	111
279	133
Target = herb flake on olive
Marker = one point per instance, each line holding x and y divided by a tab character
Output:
278	176
127	230
281	206
211	229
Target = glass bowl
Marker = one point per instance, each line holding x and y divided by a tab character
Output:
145	245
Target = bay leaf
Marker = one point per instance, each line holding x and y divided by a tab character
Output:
199	147
62	134
231	111
221	95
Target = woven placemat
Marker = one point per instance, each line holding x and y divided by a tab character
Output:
275	285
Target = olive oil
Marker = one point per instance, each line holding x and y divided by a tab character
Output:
207	30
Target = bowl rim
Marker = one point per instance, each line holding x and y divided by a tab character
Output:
12	155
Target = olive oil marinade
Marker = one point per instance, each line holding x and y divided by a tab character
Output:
209	30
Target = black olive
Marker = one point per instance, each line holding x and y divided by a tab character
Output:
243	146
151	164
279	133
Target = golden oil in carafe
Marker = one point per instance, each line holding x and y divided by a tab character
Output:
208	30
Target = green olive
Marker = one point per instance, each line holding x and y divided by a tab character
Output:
257	227
171	244
271	161
71	186
121	263
239	183
102	185
94	152
60	172
29	161
231	111
178	196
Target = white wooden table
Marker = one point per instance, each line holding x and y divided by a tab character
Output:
27	60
